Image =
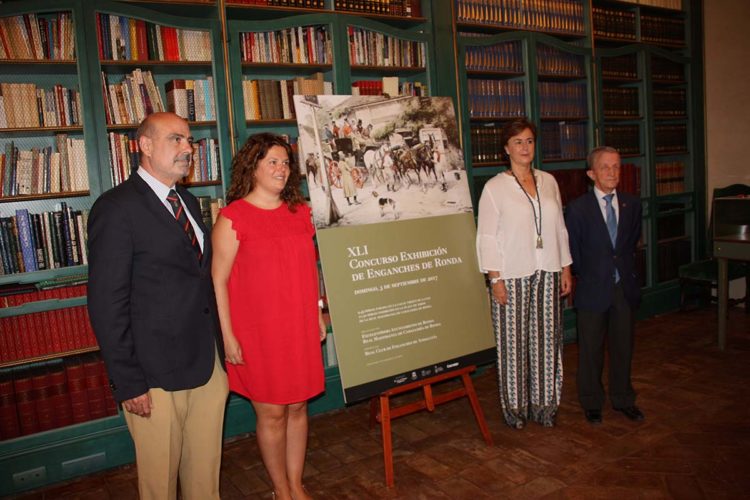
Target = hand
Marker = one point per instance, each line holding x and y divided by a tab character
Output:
323	327
566	282
140	405
233	351
500	293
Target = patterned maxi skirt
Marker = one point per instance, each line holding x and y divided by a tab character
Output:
528	330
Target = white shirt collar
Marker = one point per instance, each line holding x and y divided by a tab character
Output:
601	194
156	185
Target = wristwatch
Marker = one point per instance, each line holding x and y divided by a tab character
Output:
495	280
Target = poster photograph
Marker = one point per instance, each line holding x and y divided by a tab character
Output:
396	235
384	158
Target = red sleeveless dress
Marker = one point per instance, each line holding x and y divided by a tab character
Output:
273	301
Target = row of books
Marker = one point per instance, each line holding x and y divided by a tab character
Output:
667	70
64	287
124	158
405	8
496	98
563	141
670	138
620	102
572	183
624	67
123	38
300	45
47	240
562	99
45	333
557	16
26	172
372	48
192	99
26	105
663	4
131	100
670	177
485	144
54	394
662	30
45	37
503	57
670	103
670	256
614	23
273	99
621	25
630	179
670	227
555	62
307	4
575	182
389	85
210	207
624	138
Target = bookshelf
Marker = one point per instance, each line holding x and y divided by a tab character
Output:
639	68
531	74
497	59
47	344
644	68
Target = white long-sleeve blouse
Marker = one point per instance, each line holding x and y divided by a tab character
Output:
506	234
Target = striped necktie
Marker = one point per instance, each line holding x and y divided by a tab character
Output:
182	219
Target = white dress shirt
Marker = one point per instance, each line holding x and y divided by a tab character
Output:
162	192
506	233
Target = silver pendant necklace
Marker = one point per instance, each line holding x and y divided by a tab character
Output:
537	227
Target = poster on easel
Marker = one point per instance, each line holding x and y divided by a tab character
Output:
396	235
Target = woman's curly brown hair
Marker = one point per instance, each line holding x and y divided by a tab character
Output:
245	163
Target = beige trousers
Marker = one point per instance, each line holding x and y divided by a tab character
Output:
182	437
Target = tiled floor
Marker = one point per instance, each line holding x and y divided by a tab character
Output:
694	443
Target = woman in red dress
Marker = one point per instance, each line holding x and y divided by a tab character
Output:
266	280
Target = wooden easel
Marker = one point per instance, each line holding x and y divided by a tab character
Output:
386	413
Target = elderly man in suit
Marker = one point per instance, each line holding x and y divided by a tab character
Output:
153	310
604	227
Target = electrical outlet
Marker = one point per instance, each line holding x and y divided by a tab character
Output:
30	478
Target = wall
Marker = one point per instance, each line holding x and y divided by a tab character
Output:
726	56
727	52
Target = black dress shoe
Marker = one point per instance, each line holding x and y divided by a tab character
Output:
632	412
593	416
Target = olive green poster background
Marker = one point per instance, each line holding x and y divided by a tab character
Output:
407	301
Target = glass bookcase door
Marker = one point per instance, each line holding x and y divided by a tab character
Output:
493	80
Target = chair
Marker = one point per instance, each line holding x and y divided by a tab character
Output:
704	273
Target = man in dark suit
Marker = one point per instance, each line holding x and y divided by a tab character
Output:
153	310
604	227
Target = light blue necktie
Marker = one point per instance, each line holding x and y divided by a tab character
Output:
612	225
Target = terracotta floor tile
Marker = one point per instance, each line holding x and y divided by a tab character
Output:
694	442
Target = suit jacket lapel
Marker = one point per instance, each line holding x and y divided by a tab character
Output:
626	214
595	211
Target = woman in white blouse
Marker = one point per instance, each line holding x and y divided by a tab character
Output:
522	245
